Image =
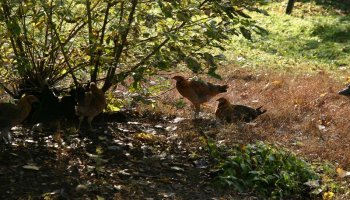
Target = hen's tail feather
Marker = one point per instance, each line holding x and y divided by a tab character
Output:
260	112
222	88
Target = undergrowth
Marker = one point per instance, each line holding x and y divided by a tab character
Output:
267	171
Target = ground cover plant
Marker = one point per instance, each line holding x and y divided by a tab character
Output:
268	171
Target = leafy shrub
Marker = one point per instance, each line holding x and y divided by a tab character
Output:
267	171
111	41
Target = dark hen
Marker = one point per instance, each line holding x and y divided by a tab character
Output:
230	113
346	91
48	111
68	103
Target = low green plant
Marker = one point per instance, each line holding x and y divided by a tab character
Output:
267	171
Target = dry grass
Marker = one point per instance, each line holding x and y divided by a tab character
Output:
305	112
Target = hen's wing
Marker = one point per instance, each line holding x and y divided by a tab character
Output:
48	109
67	106
224	113
98	101
93	104
83	107
8	114
244	113
205	90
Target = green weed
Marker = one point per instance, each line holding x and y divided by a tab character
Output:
267	171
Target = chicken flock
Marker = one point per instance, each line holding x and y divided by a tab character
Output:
90	101
47	109
199	92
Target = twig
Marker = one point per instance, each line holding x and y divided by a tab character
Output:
164	92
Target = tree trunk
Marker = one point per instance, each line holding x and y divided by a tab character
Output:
290	6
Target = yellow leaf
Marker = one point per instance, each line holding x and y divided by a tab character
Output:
99	150
298	101
328	195
276	82
39	24
146	137
100	198
324	94
64	71
342	173
113	108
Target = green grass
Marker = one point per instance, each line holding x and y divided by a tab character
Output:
311	38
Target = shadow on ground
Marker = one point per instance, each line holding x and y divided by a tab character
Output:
141	158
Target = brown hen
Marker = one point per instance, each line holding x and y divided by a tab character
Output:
14	114
227	112
198	92
91	105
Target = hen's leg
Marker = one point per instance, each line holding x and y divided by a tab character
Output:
81	119
58	126
196	110
5	134
89	121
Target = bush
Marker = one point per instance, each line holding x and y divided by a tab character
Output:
267	171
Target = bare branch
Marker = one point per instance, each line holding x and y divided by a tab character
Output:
99	53
61	45
119	50
111	72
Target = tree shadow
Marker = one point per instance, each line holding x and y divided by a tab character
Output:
31	171
342	5
324	41
334	32
136	159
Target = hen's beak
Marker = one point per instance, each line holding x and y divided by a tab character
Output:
219	100
345	92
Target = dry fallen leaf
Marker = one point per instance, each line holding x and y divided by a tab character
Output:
146	137
328	196
171	128
99	198
31	167
342	173
177	120
323	94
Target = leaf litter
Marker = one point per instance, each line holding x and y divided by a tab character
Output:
142	158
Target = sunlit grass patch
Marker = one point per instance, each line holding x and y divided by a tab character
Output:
297	42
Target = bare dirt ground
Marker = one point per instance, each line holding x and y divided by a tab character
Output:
155	154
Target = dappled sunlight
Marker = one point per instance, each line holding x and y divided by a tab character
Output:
174	94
